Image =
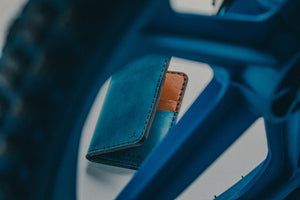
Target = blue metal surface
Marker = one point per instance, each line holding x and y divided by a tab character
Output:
256	53
254	50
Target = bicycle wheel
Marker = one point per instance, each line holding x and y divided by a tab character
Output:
53	61
59	52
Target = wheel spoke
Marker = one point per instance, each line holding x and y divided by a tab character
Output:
280	167
228	28
223	41
212	123
212	39
208	51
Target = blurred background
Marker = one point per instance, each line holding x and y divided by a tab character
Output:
243	156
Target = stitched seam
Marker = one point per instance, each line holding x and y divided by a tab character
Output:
148	116
180	95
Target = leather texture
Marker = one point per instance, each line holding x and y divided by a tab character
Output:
133	157
123	136
129	105
172	92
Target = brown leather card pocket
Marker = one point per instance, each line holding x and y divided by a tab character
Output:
172	91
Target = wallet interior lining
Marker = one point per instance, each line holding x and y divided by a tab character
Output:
172	91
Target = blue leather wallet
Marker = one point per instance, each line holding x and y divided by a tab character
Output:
136	114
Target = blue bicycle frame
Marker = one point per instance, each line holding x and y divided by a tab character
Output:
254	51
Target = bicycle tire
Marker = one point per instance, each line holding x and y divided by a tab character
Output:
50	72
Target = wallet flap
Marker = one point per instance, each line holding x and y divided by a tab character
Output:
129	105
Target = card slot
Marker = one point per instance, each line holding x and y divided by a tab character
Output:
167	105
172	91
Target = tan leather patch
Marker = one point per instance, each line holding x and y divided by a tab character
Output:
172	91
